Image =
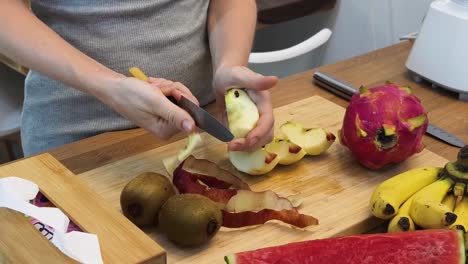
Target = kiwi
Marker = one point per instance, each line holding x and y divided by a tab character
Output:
190	219
143	196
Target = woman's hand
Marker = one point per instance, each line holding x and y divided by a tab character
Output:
257	87
146	105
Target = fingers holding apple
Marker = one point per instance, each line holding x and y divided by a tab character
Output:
255	86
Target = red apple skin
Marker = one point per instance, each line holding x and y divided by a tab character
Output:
220	191
331	136
249	218
270	157
187	182
214	182
206	167
294	149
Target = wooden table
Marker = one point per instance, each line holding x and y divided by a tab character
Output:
370	69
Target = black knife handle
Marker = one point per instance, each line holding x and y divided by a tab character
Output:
334	85
172	99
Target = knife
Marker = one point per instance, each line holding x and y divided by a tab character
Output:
203	119
346	91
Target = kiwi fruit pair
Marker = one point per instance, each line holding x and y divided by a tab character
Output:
143	196
187	220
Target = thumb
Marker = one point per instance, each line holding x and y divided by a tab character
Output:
176	116
252	80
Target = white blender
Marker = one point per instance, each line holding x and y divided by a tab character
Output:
440	52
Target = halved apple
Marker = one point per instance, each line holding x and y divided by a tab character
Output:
287	151
257	162
314	141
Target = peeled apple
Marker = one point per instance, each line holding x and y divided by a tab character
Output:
242	116
241	111
384	125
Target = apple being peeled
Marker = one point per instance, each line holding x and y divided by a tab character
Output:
241	111
242	116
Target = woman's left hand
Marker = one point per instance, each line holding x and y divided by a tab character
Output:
257	87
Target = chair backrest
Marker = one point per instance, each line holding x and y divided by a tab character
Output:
306	46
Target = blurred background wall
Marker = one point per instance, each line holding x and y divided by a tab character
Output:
358	26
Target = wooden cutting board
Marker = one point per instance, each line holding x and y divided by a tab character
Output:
120	241
16	230
336	189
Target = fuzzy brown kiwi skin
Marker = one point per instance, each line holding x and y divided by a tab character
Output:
142	198
190	220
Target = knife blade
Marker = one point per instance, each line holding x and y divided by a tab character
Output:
202	118
346	91
206	121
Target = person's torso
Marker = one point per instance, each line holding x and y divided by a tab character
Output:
166	38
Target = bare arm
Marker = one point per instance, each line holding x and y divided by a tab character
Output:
231	27
33	44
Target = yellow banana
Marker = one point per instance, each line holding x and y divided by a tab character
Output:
427	209
449	201
392	193
459	189
461	210
430	214
402	221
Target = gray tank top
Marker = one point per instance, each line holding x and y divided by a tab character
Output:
166	38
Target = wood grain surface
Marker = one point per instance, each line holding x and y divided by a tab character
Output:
335	187
120	241
21	242
369	69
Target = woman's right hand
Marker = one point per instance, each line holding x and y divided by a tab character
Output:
147	106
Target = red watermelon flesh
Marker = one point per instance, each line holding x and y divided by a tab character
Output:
423	246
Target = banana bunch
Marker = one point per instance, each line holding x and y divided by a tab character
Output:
414	198
426	198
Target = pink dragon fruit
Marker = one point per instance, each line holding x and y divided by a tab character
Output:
384	125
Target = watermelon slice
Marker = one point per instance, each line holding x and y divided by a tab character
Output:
422	246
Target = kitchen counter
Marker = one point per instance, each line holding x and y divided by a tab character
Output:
369	69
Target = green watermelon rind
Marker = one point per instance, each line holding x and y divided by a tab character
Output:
232	259
461	236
